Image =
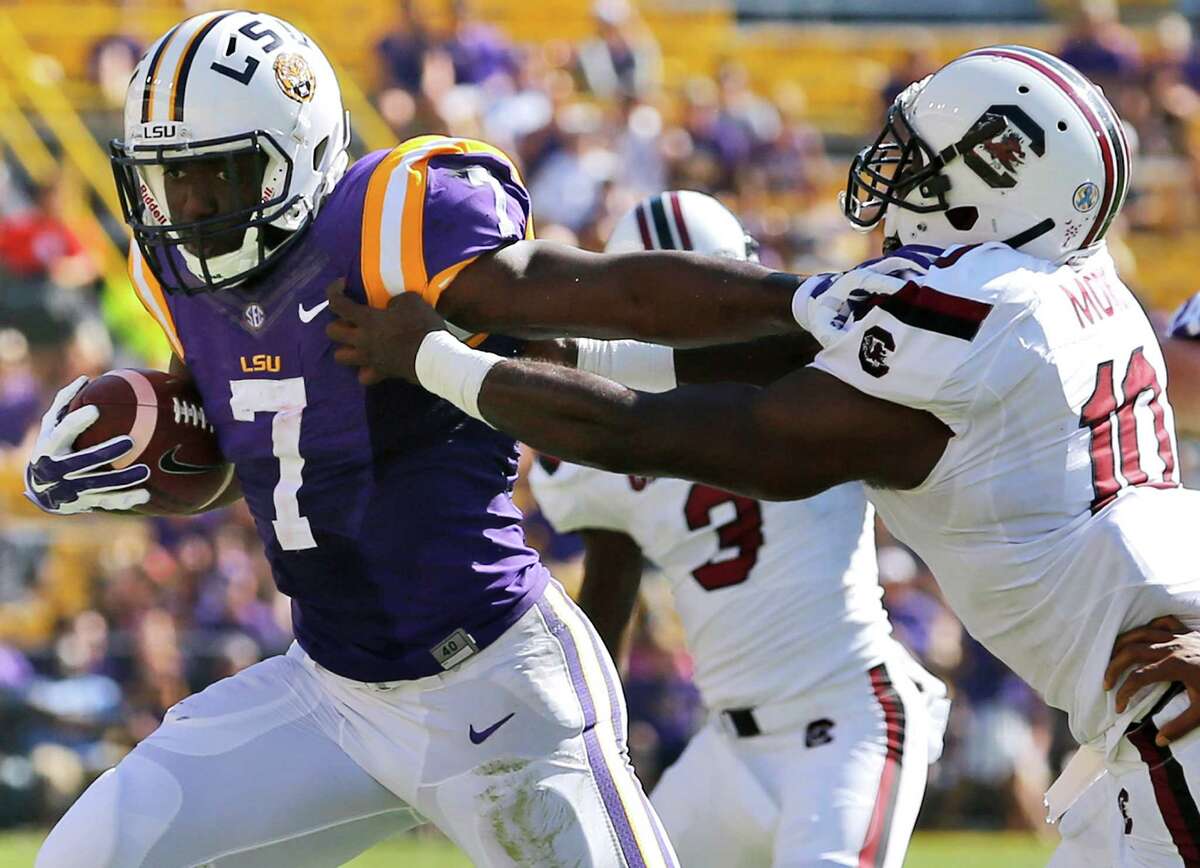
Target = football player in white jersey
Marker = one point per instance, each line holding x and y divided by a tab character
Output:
992	380
817	736
1092	828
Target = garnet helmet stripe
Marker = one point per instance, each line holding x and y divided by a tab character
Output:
643	227
1104	137
1112	125
685	239
152	71
179	85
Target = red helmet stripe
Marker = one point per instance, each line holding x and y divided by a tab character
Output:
644	227
684	238
1106	145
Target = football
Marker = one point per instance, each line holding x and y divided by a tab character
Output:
163	414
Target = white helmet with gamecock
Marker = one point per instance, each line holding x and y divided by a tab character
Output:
1005	143
238	89
682	220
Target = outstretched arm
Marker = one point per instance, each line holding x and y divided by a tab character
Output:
794	439
758	362
546	289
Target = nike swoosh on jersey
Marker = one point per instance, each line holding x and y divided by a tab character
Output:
168	463
311	313
483	735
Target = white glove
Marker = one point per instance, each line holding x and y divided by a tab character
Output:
60	480
827	305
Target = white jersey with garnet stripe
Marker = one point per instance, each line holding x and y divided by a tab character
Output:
1054	519
776	598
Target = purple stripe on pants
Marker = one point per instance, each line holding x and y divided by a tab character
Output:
615	700
600	771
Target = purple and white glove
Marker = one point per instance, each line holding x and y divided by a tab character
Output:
59	480
1185	322
827	305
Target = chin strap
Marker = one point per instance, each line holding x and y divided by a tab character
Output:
1035	231
892	242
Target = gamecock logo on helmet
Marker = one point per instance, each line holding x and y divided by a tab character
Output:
294	77
998	160
1006	151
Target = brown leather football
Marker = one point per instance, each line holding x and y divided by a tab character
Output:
163	414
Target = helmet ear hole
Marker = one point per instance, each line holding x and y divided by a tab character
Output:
319	153
963	218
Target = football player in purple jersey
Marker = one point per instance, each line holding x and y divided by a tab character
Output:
439	673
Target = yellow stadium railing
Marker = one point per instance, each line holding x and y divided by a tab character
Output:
22	140
79	146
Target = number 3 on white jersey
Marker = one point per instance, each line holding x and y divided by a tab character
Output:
287	400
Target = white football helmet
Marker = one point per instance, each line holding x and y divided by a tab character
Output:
682	220
221	86
1005	143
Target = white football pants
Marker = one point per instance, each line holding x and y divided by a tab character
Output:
1143	813
841	787
518	755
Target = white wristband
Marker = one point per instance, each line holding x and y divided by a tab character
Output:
638	365
453	371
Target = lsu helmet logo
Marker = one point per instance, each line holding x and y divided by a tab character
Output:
294	77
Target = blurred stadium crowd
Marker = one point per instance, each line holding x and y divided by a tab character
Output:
107	621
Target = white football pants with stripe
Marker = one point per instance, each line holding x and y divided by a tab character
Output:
841	787
518	755
1144	812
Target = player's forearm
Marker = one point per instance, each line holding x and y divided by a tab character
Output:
756	362
701	433
542	289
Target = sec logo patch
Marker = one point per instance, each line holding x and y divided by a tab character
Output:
877	344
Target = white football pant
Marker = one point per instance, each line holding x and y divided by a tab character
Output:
840	787
518	755
1143	813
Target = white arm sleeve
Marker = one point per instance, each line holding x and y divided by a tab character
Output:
637	365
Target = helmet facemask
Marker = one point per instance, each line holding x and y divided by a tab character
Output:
899	162
258	220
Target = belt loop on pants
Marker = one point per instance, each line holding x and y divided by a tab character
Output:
742	720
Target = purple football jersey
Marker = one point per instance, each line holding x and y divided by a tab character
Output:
386	513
